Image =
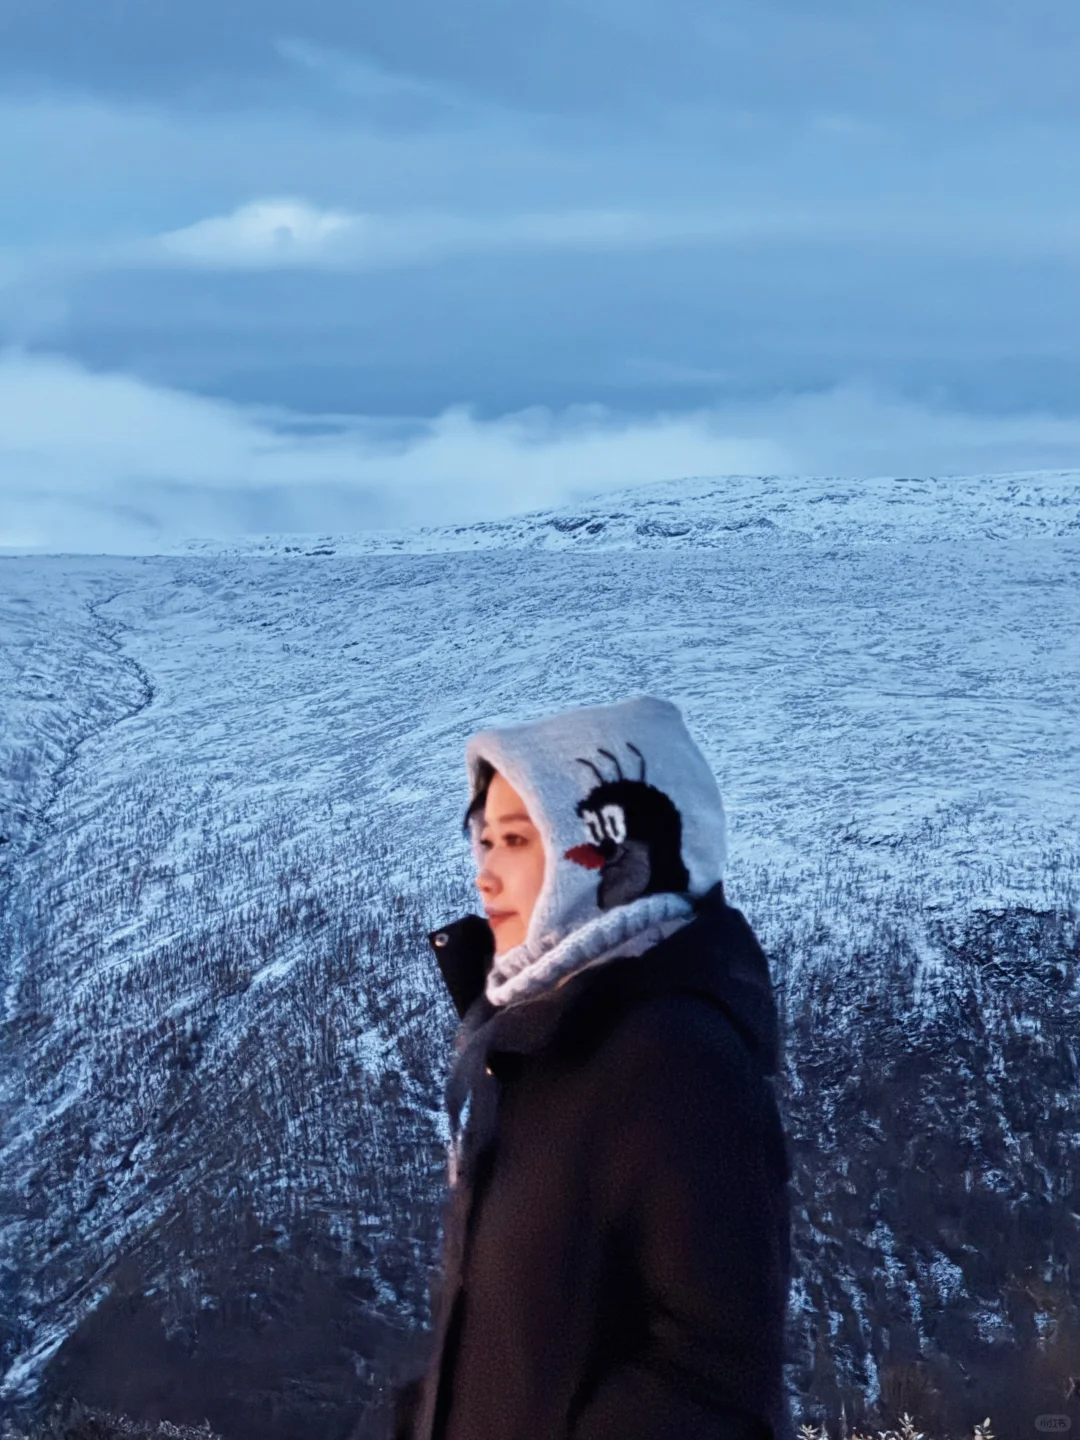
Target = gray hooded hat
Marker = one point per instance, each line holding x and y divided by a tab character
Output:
632	825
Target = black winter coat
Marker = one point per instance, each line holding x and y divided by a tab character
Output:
617	1247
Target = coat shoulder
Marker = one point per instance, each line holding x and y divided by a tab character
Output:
674	1096
673	1023
652	1052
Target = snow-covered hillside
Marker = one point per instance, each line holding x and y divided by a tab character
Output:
231	785
702	512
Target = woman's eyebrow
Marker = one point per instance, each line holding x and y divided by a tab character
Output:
506	819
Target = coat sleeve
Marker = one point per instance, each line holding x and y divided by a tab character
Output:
692	1176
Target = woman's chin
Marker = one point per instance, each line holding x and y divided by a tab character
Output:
506	937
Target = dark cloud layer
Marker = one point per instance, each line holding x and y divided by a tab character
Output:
634	331
950	56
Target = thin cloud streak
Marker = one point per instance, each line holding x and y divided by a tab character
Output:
292	233
285	232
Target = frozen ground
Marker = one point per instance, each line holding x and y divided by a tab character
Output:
885	677
908	667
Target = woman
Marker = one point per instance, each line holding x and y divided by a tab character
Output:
616	1253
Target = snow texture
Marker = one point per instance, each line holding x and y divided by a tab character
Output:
884	676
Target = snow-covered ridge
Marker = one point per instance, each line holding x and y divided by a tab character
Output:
704	512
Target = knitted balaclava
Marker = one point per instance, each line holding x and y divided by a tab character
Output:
632	826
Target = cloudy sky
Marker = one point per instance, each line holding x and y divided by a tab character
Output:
272	265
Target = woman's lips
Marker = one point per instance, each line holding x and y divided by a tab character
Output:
495	917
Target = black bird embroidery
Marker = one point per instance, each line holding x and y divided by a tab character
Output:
635	837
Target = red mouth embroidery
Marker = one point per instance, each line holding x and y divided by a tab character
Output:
587	855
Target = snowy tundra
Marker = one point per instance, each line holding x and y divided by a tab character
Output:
231	786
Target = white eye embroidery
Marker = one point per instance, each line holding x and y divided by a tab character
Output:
614	822
593	826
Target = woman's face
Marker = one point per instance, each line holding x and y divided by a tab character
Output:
513	864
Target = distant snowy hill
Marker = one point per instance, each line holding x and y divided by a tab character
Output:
231	788
711	511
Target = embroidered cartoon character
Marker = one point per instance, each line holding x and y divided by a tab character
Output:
635	837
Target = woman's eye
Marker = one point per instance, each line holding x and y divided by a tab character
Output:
515	839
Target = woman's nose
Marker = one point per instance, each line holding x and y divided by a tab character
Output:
486	882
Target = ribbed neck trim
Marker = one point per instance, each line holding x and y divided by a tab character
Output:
526	970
